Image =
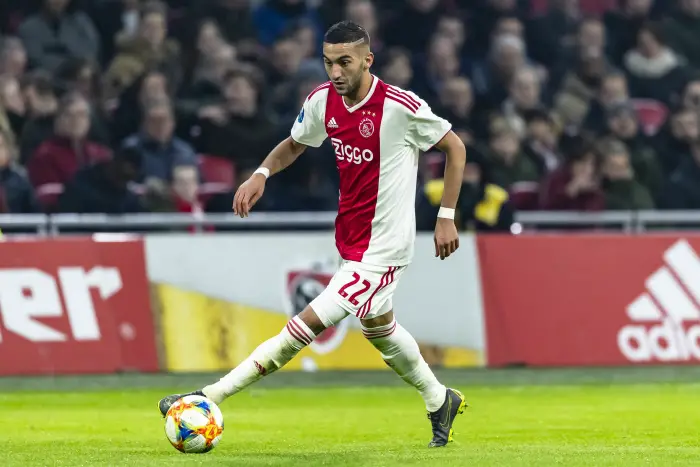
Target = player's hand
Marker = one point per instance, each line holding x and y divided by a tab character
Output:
248	194
446	238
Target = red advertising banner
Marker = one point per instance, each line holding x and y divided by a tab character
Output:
591	300
74	306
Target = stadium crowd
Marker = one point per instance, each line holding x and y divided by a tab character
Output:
118	106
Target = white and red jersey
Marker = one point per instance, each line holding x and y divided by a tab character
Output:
377	143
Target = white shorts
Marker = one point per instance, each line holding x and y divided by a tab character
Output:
357	289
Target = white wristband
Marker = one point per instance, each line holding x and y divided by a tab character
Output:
447	213
264	171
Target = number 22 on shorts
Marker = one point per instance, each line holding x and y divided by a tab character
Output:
343	292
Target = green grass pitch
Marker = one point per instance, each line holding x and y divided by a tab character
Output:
516	418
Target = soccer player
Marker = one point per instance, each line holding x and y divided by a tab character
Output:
377	131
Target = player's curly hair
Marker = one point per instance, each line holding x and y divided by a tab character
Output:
346	32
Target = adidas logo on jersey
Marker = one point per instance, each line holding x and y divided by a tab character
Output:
667	318
331	123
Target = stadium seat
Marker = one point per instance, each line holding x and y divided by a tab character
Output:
219	175
652	114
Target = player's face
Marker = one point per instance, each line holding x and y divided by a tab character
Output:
345	65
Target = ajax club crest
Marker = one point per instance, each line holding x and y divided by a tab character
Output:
366	127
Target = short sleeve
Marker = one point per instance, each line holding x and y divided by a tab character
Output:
425	129
309	128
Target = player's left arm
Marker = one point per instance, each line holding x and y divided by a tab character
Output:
446	235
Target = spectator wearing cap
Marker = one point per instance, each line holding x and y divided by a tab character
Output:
150	49
16	193
655	71
160	150
622	190
411	23
104	186
482	206
59	31
623	124
57	159
575	186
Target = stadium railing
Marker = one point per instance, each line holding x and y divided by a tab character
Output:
526	222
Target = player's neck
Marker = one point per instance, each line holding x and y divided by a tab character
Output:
365	86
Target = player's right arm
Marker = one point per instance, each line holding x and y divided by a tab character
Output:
308	130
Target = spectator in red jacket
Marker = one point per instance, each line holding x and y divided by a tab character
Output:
576	185
57	159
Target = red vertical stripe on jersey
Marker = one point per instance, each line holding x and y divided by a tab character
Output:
356	142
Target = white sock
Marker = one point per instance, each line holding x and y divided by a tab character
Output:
269	357
400	351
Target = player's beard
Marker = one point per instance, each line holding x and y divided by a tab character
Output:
352	86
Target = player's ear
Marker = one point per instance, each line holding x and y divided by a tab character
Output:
369	60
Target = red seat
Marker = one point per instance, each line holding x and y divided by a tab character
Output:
652	114
219	175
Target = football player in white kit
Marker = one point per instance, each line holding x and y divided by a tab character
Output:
377	131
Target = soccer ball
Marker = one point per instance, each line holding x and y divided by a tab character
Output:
194	424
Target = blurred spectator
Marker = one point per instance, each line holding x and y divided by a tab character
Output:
486	14
59	32
16	193
412	23
551	34
492	78
151	86
675	138
441	64
103	187
58	158
149	49
542	141
623	26
482	206
682	30
238	128
117	21
13	57
235	21
274	17
576	185
12	109
690	98
456	104
185	187
585	72
396	68
622	191
453	28
160	149
682	190
38	121
624	125
510	166
613	90
524	94
655	71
